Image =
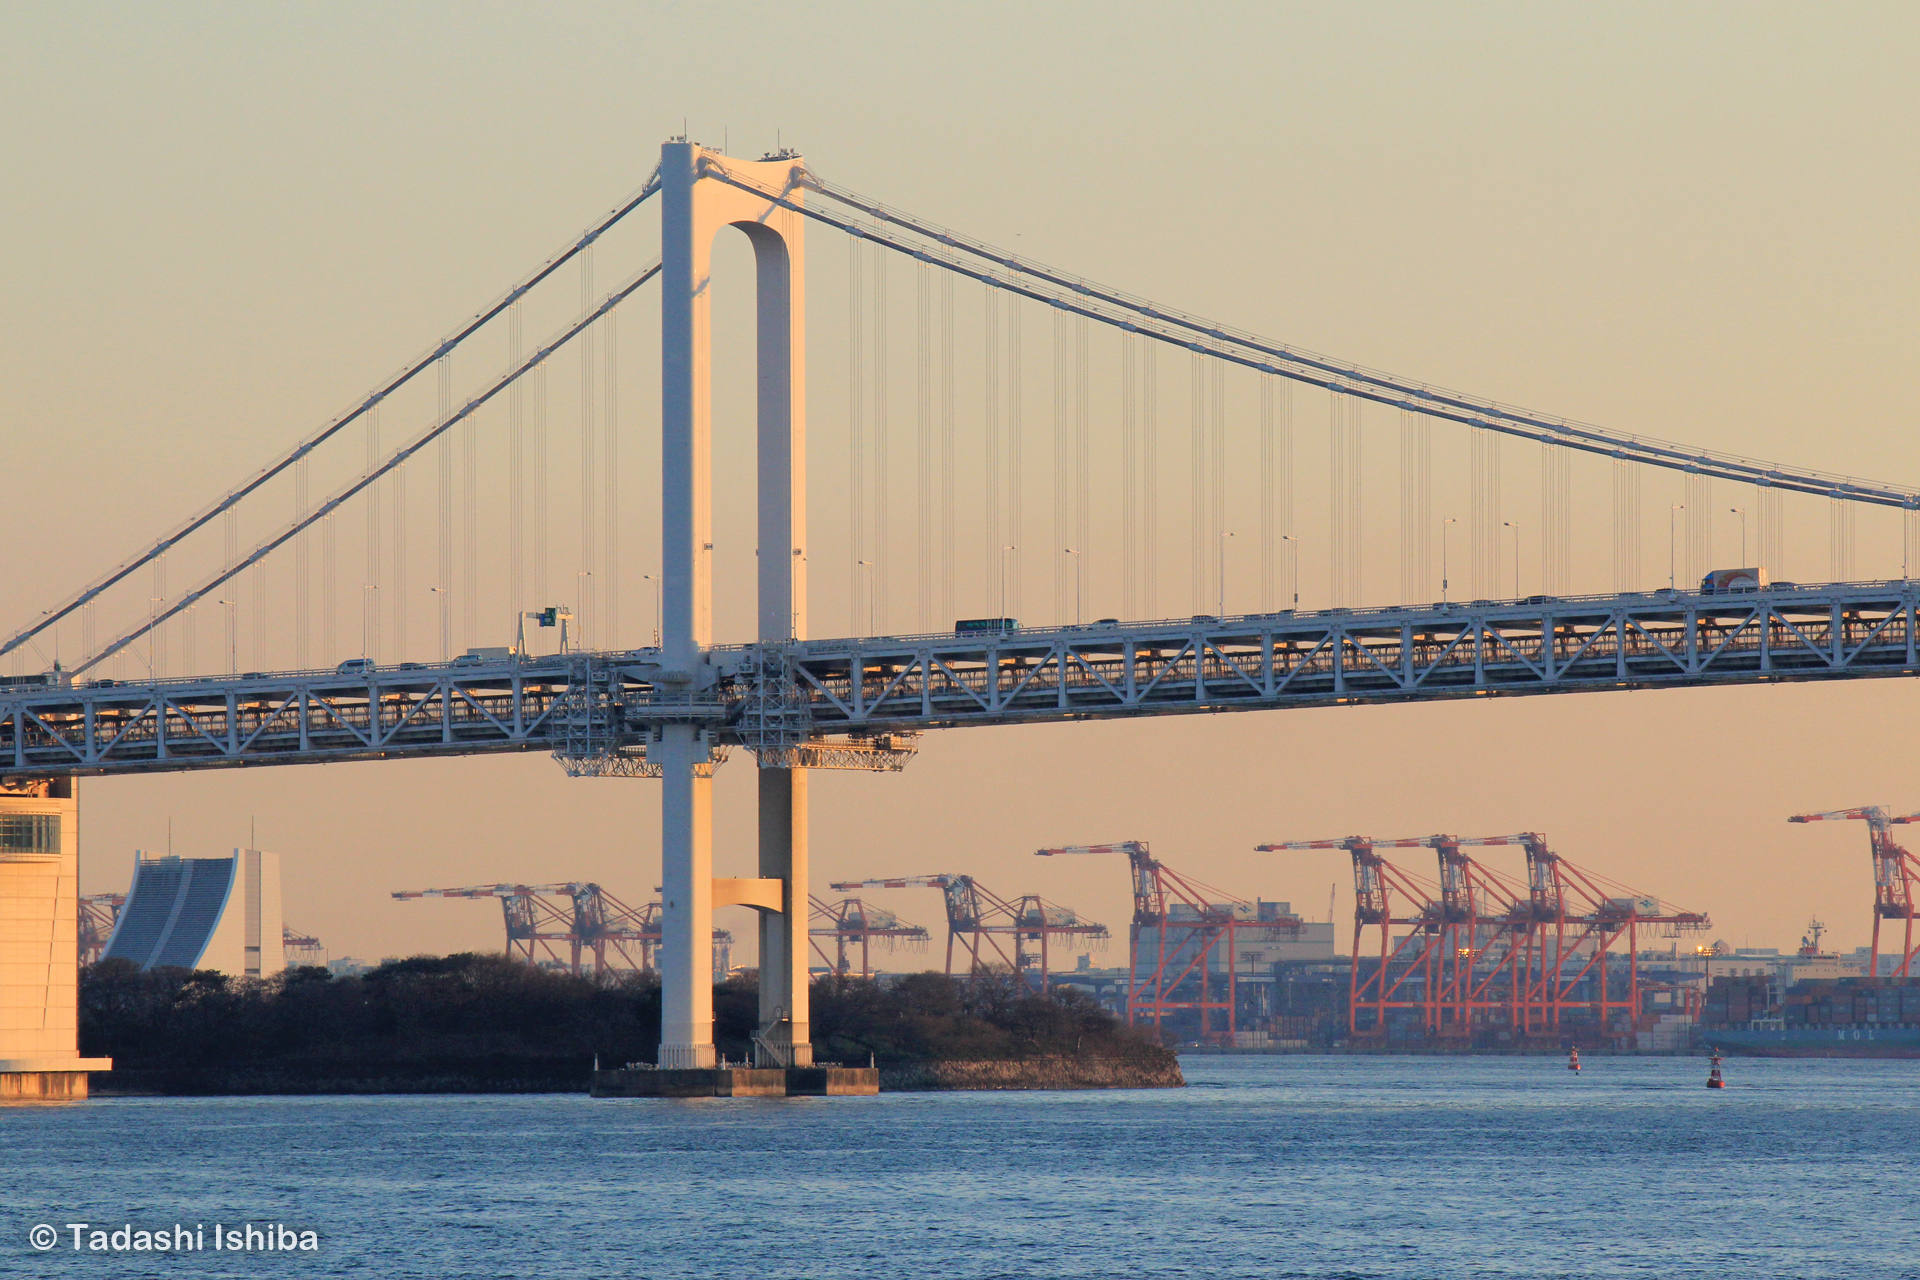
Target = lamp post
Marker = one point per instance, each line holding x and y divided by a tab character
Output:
580	577
48	613
1514	525
1445	530
1741	512
366	622
1672	515
1006	572
233	657
868	566
1078	582
654	578
1293	547
793	593
153	623
1222	608
446	622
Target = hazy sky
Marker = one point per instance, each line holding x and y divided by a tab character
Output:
221	223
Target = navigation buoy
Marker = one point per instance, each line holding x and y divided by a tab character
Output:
1713	1072
1573	1059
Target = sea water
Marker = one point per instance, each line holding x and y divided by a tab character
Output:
1264	1166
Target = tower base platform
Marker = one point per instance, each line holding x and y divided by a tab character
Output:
47	1079
736	1082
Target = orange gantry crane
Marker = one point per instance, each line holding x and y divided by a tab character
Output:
1019	934
1193	928
534	926
852	923
301	948
1577	916
98	914
1384	895
1482	951
595	923
1480	955
1896	875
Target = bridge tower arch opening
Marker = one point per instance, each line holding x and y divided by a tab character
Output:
696	205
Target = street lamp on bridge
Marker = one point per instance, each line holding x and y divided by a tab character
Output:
1515	526
1222	609
233	657
1672	513
1079	583
446	622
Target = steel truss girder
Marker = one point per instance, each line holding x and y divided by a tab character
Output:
1343	657
296	718
860	702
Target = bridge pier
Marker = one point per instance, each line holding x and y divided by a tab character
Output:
784	1001
686	917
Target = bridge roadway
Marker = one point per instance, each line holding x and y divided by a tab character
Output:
857	703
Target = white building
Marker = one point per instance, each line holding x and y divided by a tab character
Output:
203	913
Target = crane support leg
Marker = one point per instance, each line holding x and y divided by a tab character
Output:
783	937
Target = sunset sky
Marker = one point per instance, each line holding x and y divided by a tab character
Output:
223	223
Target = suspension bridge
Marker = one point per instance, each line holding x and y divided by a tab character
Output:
144	691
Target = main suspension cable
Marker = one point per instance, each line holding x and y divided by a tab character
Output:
1162	324
1351	379
300	451
261	552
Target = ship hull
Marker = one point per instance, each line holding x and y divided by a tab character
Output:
1817	1042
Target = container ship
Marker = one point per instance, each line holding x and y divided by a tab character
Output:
1817	1042
1829	1018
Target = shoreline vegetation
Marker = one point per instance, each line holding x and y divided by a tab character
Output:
472	1023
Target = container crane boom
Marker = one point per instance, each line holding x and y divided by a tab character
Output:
596	923
851	922
977	919
1192	925
1896	878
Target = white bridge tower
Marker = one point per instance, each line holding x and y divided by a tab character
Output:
696	204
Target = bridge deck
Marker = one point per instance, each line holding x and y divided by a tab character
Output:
888	685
